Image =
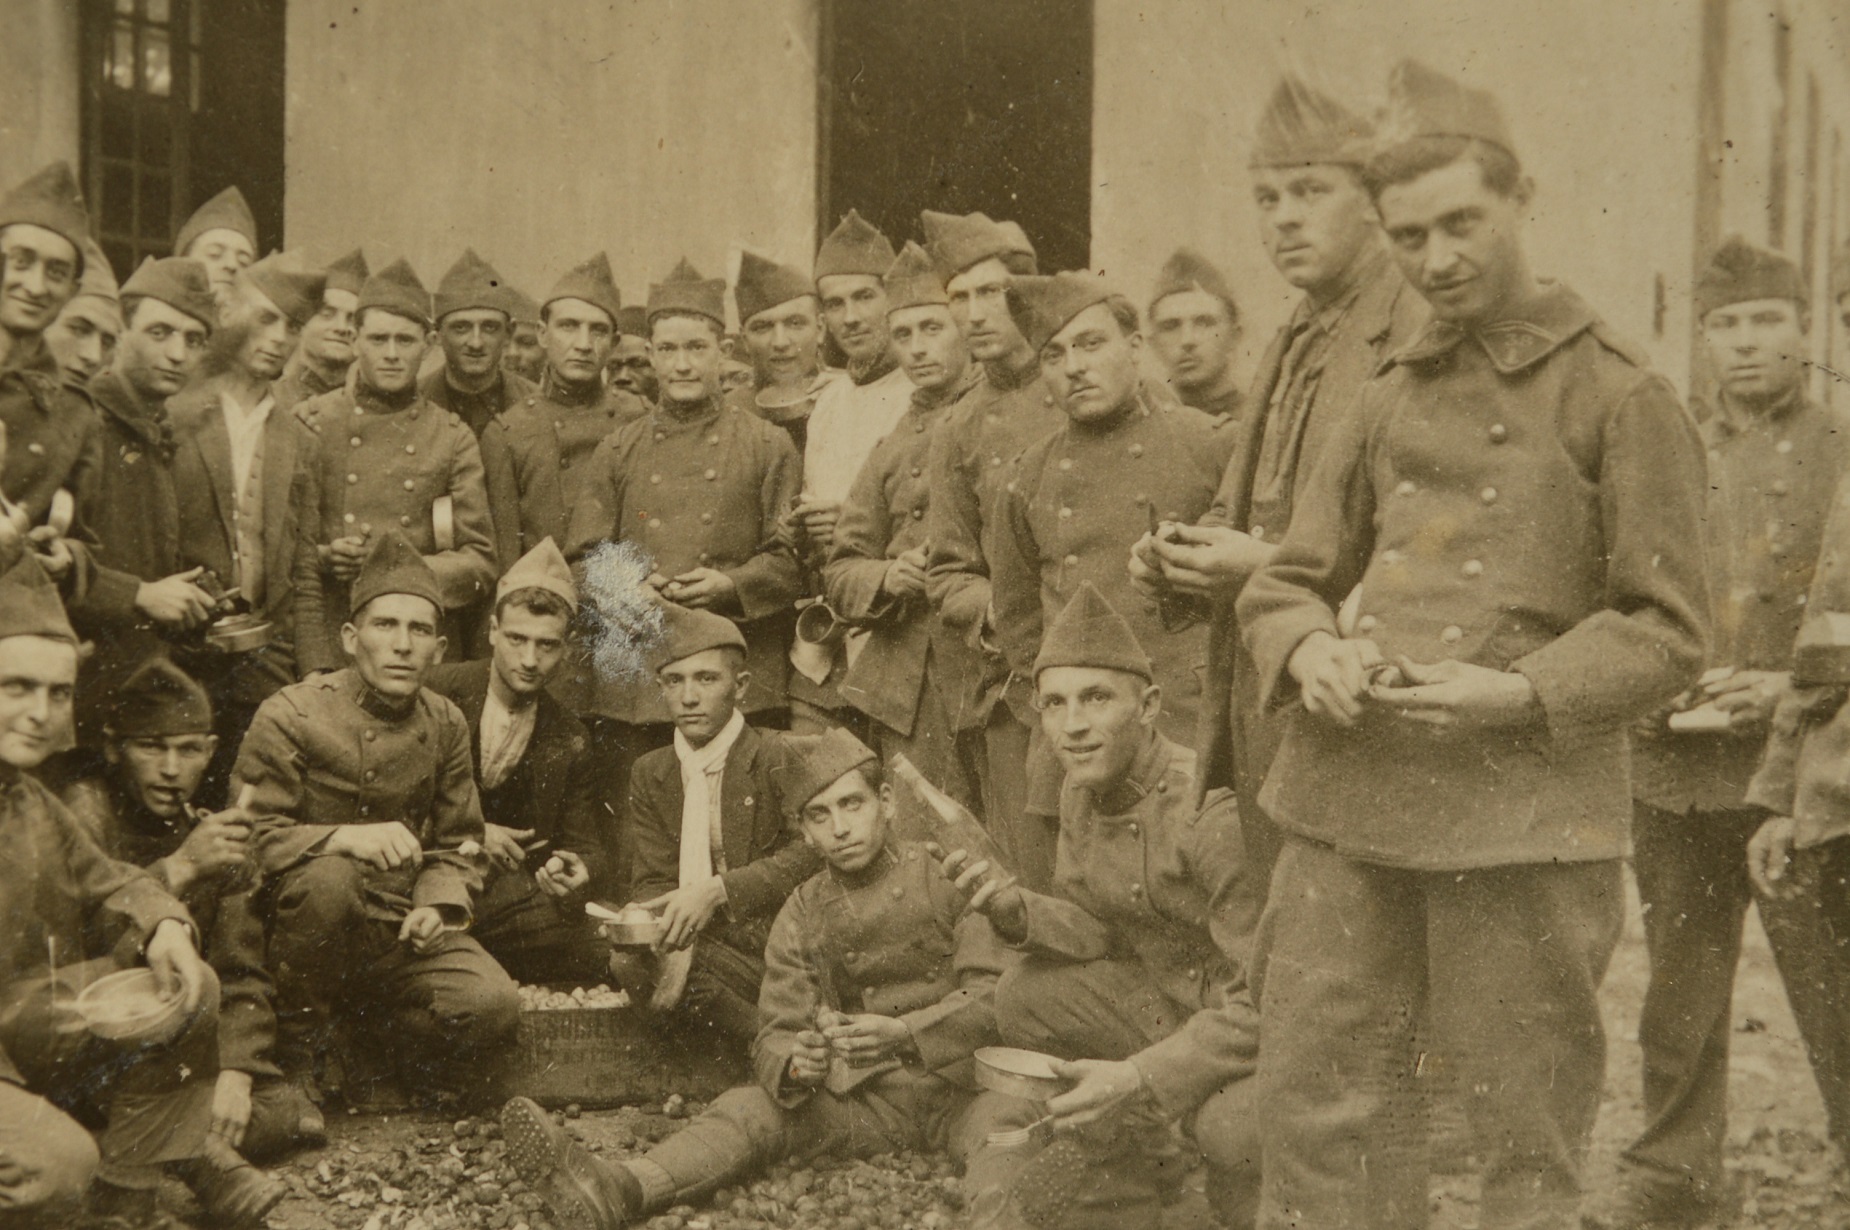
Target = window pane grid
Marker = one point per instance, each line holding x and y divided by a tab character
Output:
147	84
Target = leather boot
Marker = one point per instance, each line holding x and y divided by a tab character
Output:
583	1192
232	1193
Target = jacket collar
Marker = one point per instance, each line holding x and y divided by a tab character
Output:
1730	420
1146	773
1521	340
117	399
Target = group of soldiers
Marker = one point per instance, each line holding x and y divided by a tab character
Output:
1307	725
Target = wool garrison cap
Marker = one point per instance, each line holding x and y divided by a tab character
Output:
1190	270
957	242
29	603
633	321
178	281
1042	306
348	273
1739	272
912	281
97	298
1090	633
545	568
50	199
684	290
1423	102
854	247
473	283
1302	125
393	566
813	763
159	700
228	211
523	306
592	282
764	284
687	631
296	291
396	289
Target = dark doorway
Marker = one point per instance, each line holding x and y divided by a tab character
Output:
960	105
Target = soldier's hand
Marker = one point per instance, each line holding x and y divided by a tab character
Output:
504	846
1332	675
818	518
423	928
231	1106
996	897
686	911
219	843
54	551
1209	560
1749	697
175	601
789	531
866	1038
1769	858
387	846
1101	1087
178	968
343	556
905	575
1145	569
1453	697
809	1059
570	874
701	587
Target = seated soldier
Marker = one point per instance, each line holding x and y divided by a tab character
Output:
538	787
877	989
159	742
1135	965
707	840
369	833
64	899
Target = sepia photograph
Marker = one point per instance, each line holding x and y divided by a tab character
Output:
924	614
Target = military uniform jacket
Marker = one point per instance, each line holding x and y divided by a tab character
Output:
970	466
231	933
299	383
1079	500
478	410
1307	383
699	493
52	440
133	511
535	457
1148	876
894	940
61	895
555	788
373	466
1524	498
764	859
327	752
881	520
1771	479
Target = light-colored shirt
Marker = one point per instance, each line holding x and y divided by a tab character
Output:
505	734
245	427
849	419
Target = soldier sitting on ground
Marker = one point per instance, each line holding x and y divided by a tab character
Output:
878	988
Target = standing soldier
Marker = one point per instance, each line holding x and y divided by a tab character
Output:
1319	226
385	458
536	453
1520	501
629	368
699	487
321	362
971	455
84	336
524	355
222	236
875	578
475	316
1195	331
781	326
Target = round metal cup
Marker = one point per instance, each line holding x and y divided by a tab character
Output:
1018	1073
239	634
641	934
126	1006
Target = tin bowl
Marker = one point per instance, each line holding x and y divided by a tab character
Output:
239	634
127	1006
1018	1073
630	927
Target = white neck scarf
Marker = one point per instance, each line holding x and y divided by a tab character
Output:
702	769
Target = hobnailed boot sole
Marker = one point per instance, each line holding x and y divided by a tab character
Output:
574	1185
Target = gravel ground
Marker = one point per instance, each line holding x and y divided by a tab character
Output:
419	1173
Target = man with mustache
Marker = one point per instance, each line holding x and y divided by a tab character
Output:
222	236
475	316
384	458
780	323
1195	330
321	362
84	337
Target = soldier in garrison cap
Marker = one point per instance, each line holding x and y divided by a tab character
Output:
537	453
708	836
369	836
383	457
221	235
67	898
780	323
699	486
139	808
1319	227
84	336
539	786
628	367
1076	502
1134	962
878	988
875	577
1195	331
321	362
1456	777
1775	459
475	318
